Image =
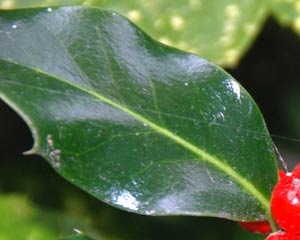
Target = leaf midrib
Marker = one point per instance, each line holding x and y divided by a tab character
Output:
249	187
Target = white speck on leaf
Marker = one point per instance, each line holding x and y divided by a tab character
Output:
177	22
297	6
165	40
7	4
232	56
53	153
134	15
77	231
220	116
125	199
232	10
150	212
194	3
296	24
236	89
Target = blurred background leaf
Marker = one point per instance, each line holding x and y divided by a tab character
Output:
287	12
20	219
220	31
12	4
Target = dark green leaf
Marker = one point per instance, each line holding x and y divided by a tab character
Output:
139	125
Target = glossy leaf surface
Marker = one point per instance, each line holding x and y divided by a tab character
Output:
220	31
139	125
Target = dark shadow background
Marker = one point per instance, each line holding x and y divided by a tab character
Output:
270	71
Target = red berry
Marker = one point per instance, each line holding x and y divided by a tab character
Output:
296	171
262	227
282	236
281	174
285	201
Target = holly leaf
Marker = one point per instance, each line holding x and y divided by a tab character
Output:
142	126
220	31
